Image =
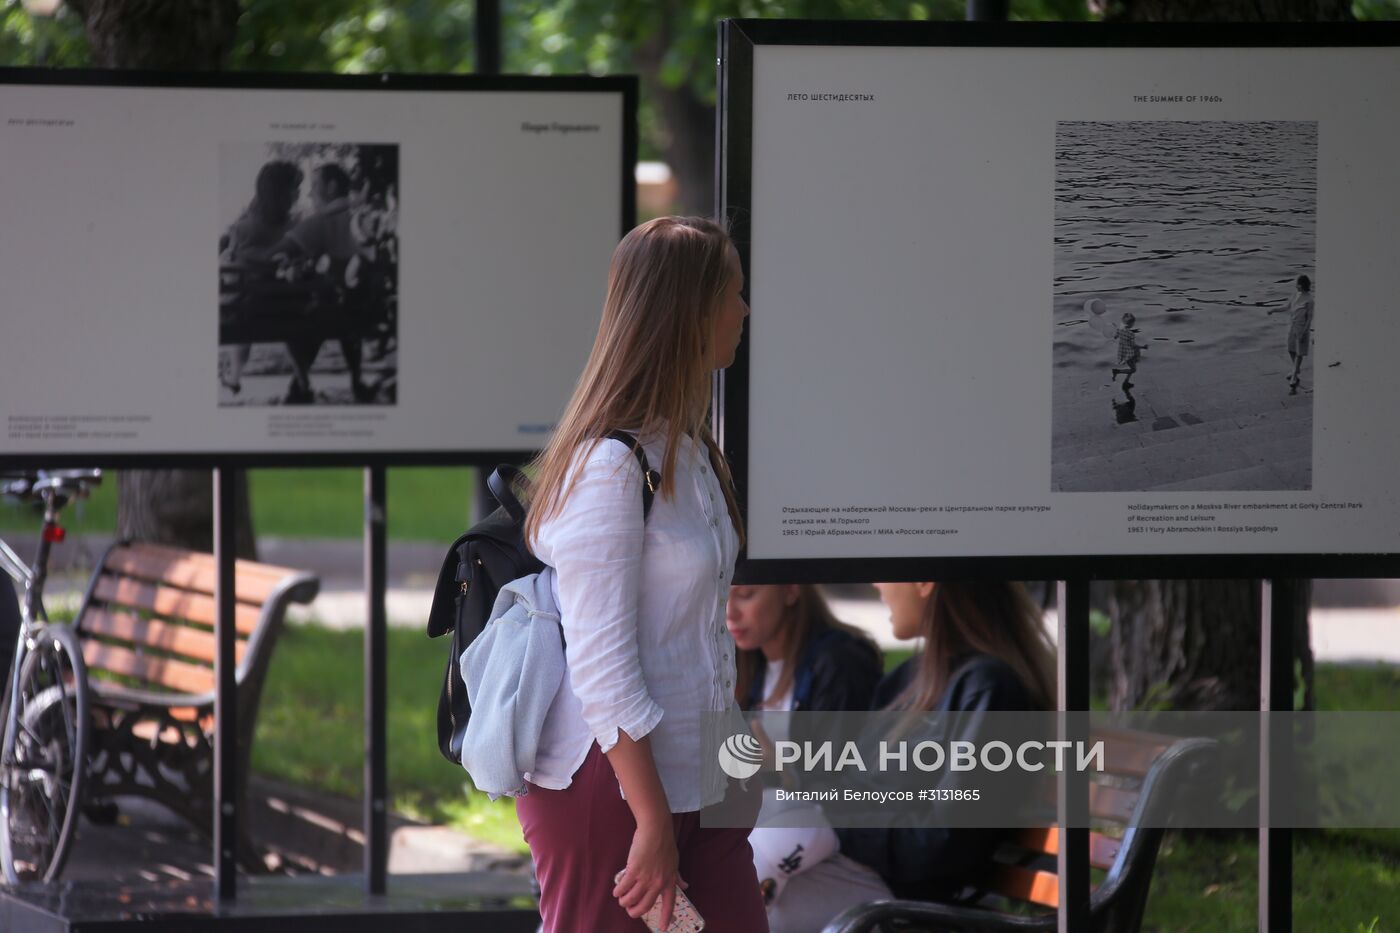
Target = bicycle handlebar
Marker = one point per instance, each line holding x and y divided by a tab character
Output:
32	485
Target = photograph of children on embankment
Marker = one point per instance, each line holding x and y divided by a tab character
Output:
1183	333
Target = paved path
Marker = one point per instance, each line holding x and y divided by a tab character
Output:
1347	634
299	830
1231	426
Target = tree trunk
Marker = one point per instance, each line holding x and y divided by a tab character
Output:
691	153
690	123
1194	644
1184	644
167	506
176	507
177	35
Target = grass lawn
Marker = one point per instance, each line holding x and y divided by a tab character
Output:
310	730
95	515
1343	881
311	727
425	504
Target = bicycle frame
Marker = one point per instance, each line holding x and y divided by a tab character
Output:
31	605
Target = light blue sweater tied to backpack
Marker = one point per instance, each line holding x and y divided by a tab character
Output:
512	670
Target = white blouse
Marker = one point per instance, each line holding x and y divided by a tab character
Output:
642	609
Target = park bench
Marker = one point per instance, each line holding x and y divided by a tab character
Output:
1145	770
256	309
146	624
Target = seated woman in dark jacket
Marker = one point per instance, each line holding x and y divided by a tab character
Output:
985	648
794	655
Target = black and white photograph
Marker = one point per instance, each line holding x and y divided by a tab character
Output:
1185	355
308	273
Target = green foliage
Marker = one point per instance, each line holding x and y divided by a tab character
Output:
356	36
425	504
675	39
341	36
670	43
1376	9
39	41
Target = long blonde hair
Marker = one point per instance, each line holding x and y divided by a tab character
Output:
984	617
649	370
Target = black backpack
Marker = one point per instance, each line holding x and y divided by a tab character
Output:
488	556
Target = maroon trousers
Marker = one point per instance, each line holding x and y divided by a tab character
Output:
580	837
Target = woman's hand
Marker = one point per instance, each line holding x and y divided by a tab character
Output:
652	870
652	861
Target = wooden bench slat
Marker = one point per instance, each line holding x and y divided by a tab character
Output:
1128	759
1103	850
253	582
1130	754
1025	884
170	673
170	602
185	640
1111	804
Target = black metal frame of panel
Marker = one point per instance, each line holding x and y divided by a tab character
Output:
625	86
734	140
1277	574
32	907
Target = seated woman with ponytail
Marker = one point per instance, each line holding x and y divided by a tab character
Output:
985	649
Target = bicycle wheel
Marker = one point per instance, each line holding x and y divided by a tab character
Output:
44	758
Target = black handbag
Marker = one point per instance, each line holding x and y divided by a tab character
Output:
488	556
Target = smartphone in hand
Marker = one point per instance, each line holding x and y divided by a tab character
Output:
684	917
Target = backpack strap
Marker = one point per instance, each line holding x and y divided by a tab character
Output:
651	479
501	482
505	477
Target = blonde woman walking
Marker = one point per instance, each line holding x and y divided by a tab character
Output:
619	785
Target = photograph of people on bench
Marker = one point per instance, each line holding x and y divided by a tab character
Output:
308	274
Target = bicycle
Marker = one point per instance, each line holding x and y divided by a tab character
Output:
43	754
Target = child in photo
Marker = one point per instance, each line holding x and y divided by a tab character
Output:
1129	350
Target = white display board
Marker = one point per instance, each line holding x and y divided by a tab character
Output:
942	242
402	268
